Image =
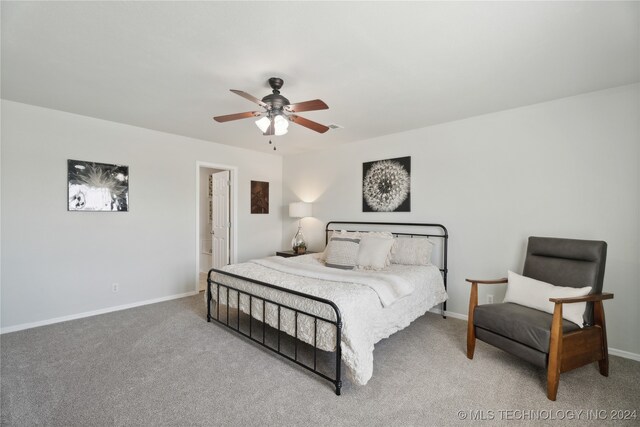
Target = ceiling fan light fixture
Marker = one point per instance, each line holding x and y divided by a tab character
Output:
263	123
280	124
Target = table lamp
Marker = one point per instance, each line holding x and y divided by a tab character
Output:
299	210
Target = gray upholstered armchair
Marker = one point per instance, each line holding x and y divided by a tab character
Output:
548	340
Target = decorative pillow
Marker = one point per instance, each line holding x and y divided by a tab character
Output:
385	234
359	234
339	233
535	294
374	252
342	252
411	251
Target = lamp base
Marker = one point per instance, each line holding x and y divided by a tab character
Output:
298	243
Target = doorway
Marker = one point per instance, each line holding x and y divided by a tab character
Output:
215	219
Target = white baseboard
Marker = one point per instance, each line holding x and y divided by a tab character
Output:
625	354
449	314
455	315
23	326
612	351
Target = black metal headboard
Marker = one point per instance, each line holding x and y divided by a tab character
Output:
404	229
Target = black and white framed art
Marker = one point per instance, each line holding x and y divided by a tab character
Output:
98	187
386	185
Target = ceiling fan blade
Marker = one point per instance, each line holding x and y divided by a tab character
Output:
251	98
299	107
237	116
271	130
308	123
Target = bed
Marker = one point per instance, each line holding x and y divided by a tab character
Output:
320	317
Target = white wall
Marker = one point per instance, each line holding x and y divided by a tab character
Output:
566	168
57	263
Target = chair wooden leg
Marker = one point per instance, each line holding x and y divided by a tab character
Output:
598	319
604	366
471	330
555	353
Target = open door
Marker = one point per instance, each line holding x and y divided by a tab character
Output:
220	222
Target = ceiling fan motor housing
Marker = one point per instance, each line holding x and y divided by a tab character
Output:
275	101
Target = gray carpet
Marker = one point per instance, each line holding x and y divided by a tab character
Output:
163	364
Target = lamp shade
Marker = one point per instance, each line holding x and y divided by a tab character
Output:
263	124
280	124
299	209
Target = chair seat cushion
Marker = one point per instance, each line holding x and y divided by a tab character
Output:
525	325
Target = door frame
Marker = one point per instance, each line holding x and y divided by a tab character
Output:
233	213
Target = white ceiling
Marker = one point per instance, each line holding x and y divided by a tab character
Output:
382	67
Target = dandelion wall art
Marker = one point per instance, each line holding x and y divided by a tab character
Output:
386	185
97	186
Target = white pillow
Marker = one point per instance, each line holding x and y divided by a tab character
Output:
411	251
345	233
374	252
354	235
535	294
385	234
339	233
342	252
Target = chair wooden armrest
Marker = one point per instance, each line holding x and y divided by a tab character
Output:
488	282
587	298
473	303
597	346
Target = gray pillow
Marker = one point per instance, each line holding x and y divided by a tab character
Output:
342	252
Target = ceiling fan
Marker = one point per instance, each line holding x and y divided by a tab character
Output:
278	111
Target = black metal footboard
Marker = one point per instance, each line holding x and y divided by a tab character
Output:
259	336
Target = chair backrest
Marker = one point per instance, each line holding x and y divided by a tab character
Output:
567	262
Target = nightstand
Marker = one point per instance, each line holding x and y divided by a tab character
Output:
289	254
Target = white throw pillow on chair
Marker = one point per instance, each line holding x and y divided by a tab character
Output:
534	293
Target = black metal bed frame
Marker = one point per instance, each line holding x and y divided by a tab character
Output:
336	379
444	236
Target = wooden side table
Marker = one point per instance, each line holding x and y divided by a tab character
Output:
289	254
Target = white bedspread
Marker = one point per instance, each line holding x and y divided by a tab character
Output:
373	305
388	287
